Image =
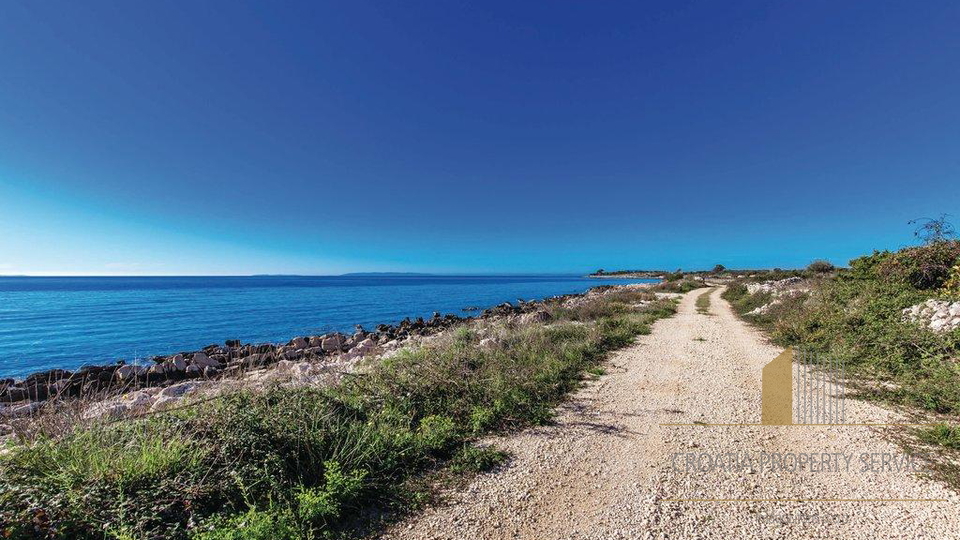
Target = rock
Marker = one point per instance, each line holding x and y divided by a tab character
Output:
232	343
201	360
316	341
179	390
177	363
129	372
137	400
332	343
18	411
163	402
211	372
193	370
539	316
15	393
157	369
47	377
364	347
299	343
107	409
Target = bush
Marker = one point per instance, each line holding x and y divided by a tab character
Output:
677	286
821	267
924	267
951	287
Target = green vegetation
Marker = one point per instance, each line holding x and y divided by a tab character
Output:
856	315
703	302
285	463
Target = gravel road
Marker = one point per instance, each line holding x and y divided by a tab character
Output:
609	466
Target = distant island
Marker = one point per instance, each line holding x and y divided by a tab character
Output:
644	274
384	274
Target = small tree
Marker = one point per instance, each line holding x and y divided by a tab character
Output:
933	231
820	267
719	268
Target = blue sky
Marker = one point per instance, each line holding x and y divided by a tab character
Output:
231	138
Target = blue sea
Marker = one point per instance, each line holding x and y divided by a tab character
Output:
66	322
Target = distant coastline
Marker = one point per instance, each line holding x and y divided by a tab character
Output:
629	274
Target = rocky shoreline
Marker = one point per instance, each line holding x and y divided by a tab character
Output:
169	374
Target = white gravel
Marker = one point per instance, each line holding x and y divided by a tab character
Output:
604	470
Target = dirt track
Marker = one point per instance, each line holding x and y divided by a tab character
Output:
606	469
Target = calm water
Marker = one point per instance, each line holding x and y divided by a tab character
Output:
67	322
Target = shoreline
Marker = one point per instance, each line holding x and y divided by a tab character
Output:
232	358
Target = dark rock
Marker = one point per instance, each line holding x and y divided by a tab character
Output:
232	343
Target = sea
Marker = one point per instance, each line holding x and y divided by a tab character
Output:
67	322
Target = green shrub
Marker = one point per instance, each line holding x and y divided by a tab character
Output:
476	459
944	435
951	287
271	524
821	267
924	267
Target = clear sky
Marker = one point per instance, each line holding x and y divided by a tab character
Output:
325	137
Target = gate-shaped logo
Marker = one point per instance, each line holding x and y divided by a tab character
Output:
805	392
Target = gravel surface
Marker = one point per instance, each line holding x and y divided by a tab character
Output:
606	469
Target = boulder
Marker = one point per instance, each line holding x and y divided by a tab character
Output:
107	409
129	372
332	343
539	316
179	390
201	360
26	409
365	347
299	343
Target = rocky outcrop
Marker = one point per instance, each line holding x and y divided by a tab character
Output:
937	315
780	291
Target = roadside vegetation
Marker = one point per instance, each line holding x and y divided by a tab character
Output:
703	301
314	462
856	314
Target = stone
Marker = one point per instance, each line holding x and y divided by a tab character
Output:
193	370
232	343
211	371
201	360
163	402
129	372
109	409
332	343
299	343
179	390
540	316
364	347
25	409
157	369
177	363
